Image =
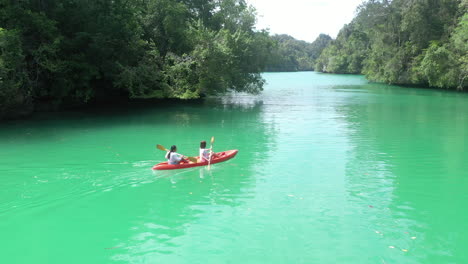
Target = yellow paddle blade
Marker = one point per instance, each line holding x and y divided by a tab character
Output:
192	159
161	147
211	152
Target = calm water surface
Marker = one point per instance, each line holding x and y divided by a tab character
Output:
331	169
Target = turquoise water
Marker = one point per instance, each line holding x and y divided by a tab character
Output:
330	169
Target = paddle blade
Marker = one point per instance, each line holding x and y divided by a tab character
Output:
192	159
161	147
211	152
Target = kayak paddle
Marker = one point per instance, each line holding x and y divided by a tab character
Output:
211	152
161	147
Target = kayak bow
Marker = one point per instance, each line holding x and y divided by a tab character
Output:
220	157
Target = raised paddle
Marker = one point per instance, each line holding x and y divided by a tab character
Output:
161	147
211	152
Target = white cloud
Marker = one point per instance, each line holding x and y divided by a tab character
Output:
304	19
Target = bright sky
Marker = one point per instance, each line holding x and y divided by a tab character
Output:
304	19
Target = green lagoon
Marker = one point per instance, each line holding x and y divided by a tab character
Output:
330	169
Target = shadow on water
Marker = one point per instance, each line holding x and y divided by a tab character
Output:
406	170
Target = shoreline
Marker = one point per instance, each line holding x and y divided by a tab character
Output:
25	112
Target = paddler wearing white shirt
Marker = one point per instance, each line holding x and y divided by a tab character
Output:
174	158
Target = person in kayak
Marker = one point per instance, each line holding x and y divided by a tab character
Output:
204	153
174	158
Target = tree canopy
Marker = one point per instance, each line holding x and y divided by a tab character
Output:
404	42
290	54
63	53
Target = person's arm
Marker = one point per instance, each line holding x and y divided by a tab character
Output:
179	157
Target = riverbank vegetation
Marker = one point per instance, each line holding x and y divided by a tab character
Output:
404	42
290	54
57	53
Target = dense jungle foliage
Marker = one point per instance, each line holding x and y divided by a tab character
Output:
290	54
422	42
59	53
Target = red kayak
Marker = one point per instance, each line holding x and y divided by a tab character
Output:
220	157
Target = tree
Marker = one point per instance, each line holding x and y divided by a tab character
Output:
403	42
290	54
62	53
14	91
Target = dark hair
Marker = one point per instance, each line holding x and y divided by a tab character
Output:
173	148
203	144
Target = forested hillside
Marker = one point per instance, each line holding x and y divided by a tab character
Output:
290	54
404	42
61	53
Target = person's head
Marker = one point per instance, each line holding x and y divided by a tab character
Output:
173	149
203	144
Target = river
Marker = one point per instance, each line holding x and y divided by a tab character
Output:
330	169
